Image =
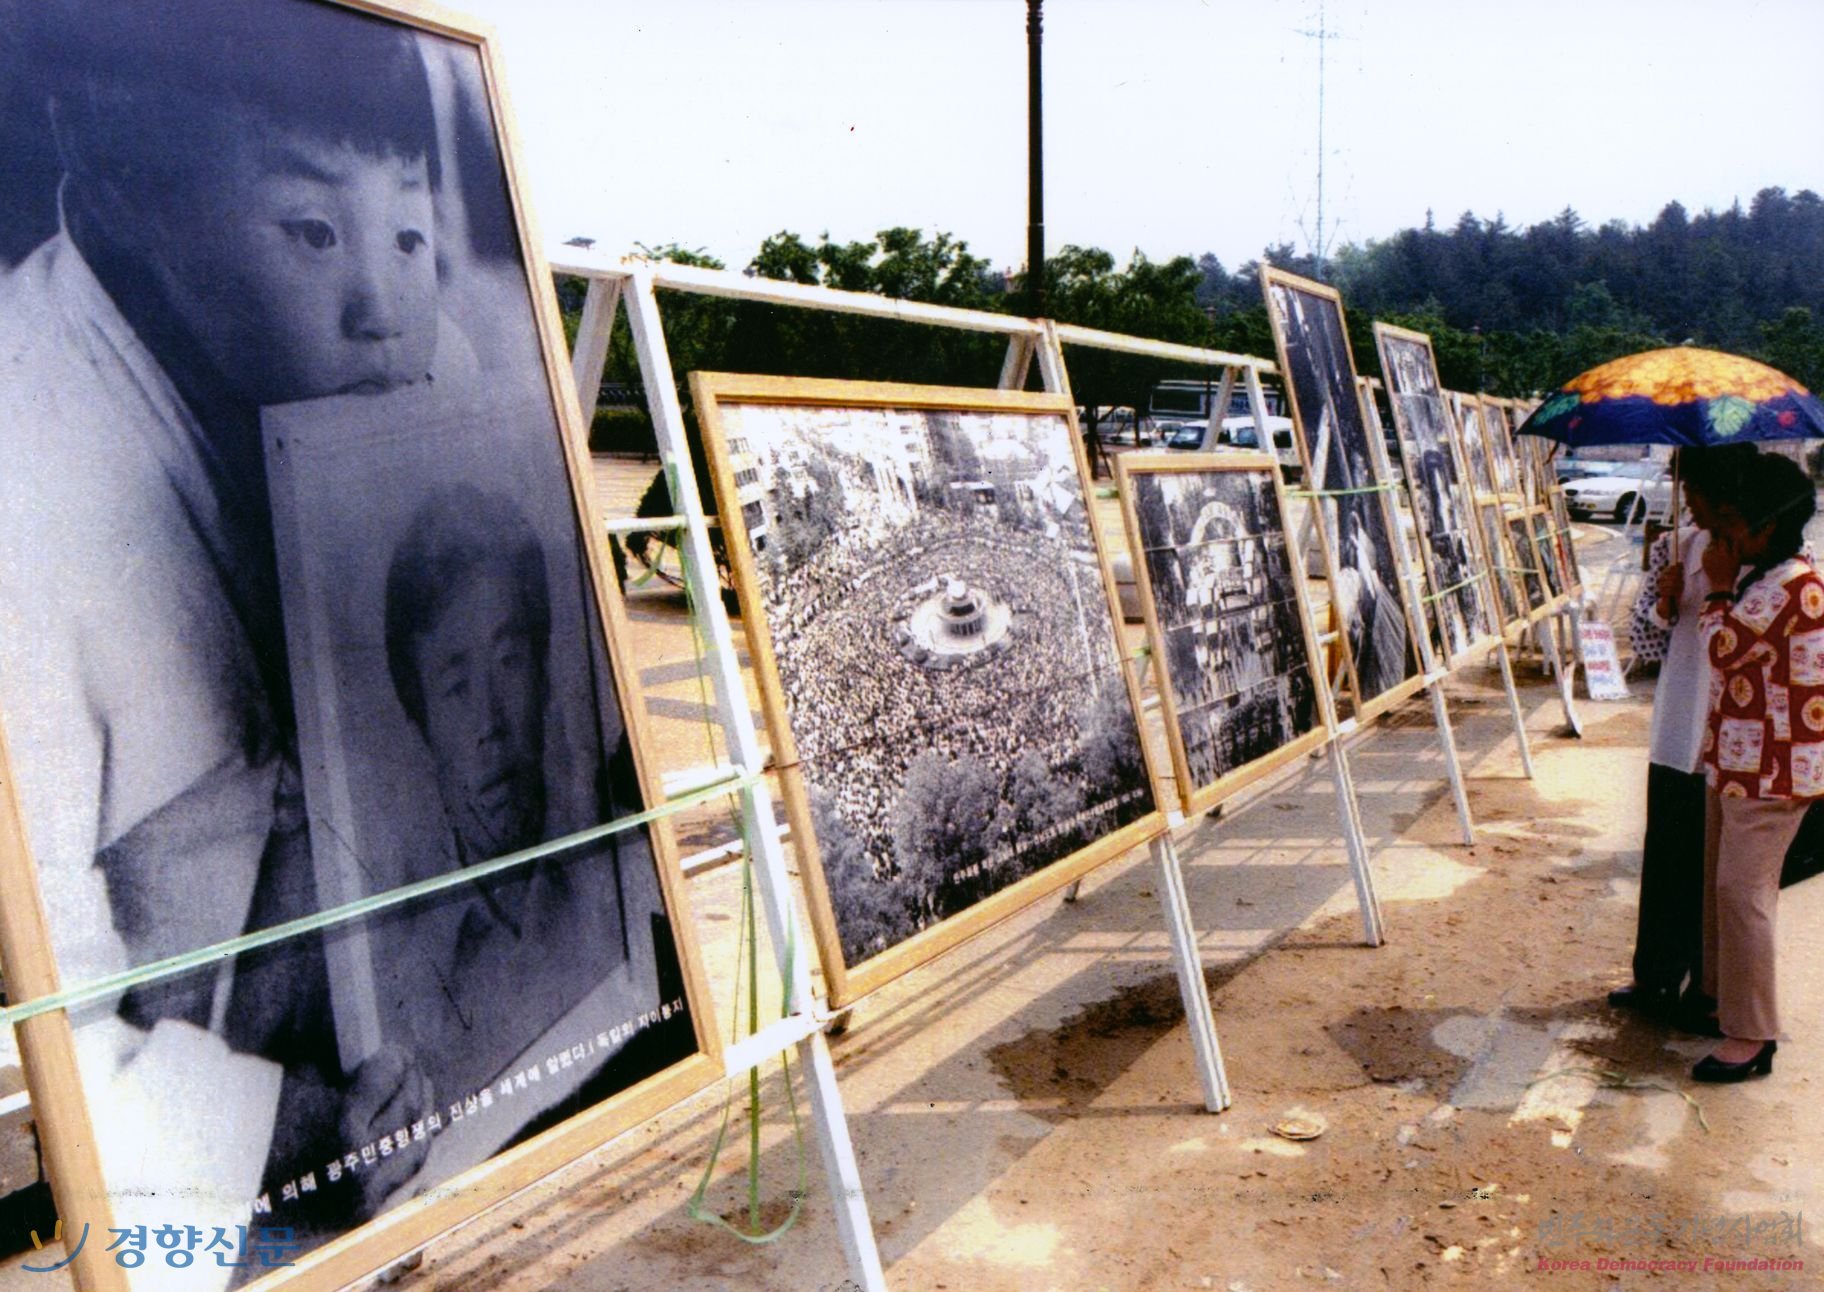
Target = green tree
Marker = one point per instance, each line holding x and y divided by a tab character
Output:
1153	299
1110	751
1794	343
871	913
943	823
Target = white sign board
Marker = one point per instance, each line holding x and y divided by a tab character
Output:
1601	662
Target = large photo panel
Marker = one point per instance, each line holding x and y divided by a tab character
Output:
1227	617
1442	500
1478	455
930	612
1355	514
298	604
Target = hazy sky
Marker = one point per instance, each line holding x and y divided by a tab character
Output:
1173	126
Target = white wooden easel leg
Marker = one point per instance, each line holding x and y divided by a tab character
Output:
1191	985
1514	709
791	950
1348	813
847	1200
1017	363
1453	766
1548	645
589	355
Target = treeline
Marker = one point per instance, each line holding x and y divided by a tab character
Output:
1513	311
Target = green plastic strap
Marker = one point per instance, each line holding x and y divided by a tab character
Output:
118	983
1441	593
1388	487
748	941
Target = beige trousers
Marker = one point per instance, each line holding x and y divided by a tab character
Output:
1745	842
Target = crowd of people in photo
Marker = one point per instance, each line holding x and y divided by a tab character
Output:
861	709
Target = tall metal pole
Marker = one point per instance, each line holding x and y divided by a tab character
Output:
1035	166
1322	36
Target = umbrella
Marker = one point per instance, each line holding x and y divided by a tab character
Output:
1681	395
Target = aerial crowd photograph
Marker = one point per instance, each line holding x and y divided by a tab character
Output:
927	644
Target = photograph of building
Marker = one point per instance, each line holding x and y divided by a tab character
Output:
1236	656
1440	498
1308	327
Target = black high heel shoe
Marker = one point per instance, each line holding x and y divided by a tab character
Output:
1714	1071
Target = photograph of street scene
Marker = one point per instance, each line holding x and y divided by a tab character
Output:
1438	495
1320	373
947	659
1236	657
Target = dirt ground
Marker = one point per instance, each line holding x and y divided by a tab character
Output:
1026	1111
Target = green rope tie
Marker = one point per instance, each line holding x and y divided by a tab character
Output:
1441	593
119	983
747	958
1387	487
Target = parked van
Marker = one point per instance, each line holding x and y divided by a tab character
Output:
1180	411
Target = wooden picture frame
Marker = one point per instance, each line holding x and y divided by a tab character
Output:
1530	567
1504	566
1200	794
1561	527
1333	395
1473	445
1441	507
1503	459
487	317
912	488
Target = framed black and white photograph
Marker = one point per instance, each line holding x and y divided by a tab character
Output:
1227	617
299	602
1354	508
1530	567
1536	475
1551	560
1503	461
1510	596
930	613
1443	504
1478	458
1561	529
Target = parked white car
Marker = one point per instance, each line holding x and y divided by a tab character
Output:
1633	489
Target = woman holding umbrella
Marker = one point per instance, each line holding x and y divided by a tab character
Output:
1763	623
1761	771
1669	938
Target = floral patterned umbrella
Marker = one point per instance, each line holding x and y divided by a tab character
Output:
1678	396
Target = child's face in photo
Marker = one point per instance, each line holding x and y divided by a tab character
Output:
305	268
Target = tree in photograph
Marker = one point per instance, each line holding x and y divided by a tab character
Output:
808	510
952	451
943	823
1111	757
870	912
1037	797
